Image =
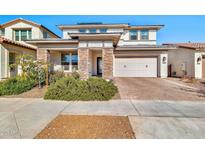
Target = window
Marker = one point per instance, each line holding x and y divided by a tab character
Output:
65	59
144	34
17	35
74	62
103	30
12	60
46	35
82	30
22	35
2	32
93	30
68	60
133	35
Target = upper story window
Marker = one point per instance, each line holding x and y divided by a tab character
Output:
144	35
103	30
46	35
93	30
133	35
2	32
22	34
82	30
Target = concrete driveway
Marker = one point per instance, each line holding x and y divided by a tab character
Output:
156	89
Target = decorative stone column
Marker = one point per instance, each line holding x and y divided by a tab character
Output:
83	63
107	57
43	55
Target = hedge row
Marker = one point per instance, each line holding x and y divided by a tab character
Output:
70	88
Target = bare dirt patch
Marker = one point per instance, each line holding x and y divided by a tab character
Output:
88	127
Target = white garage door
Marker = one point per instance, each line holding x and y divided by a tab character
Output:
136	67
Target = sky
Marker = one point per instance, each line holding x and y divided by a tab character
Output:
177	28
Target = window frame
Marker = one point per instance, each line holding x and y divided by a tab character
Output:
147	35
82	30
62	59
91	30
101	30
46	35
131	31
71	61
2	31
28	34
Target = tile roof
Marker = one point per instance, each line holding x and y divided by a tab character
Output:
21	44
196	46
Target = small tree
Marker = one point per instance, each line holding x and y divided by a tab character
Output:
35	70
27	65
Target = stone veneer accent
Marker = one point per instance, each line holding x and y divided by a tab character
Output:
107	57
83	62
43	55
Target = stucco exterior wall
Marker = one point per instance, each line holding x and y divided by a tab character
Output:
4	58
3	62
67	31
179	57
125	38
163	65
198	65
36	33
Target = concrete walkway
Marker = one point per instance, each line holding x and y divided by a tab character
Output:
25	118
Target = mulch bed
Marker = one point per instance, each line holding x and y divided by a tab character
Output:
88	127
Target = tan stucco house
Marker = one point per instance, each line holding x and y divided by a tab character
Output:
188	59
110	50
12	42
92	49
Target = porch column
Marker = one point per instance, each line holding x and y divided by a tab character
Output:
83	62
43	55
107	57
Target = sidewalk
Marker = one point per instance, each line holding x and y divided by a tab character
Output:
25	118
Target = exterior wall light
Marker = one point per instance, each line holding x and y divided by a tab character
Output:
198	60
164	60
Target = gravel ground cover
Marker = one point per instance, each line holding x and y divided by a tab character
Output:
88	127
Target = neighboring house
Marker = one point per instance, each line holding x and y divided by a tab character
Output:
187	60
107	50
13	35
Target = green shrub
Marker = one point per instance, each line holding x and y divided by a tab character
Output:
16	85
76	75
69	88
56	75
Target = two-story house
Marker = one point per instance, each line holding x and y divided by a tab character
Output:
13	35
110	50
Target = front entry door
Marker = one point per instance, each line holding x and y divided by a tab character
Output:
99	65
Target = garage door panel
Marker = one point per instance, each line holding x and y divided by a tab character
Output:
136	67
